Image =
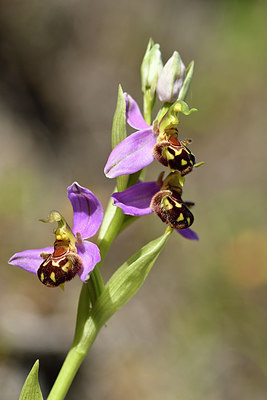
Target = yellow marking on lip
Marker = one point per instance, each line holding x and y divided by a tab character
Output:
47	261
188	220
65	267
42	276
183	162
56	263
180	218
58	237
167	205
167	155
178	152
53	277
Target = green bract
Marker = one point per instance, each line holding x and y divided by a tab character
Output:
187	81
31	389
118	132
122	286
170	118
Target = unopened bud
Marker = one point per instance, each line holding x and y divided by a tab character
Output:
171	79
151	68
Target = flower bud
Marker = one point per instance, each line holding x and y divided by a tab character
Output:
171	79
151	68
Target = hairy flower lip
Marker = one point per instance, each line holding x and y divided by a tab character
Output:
87	218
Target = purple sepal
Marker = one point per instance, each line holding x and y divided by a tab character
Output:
133	114
137	198
30	260
87	211
188	233
132	154
90	254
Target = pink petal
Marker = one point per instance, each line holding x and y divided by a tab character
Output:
90	254
188	233
137	198
30	260
87	211
132	154
133	114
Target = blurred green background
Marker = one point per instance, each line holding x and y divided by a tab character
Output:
197	330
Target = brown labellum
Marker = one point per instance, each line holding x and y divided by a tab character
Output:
174	155
59	267
171	209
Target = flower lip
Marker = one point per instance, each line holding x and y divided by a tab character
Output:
168	205
56	270
175	156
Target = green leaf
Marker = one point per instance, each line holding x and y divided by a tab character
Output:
108	217
118	132
187	81
31	389
126	281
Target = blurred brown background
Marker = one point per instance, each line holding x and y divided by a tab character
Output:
197	330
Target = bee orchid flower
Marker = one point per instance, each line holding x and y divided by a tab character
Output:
140	148
161	197
71	254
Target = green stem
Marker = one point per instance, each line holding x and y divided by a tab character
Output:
95	284
66	375
111	233
71	364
